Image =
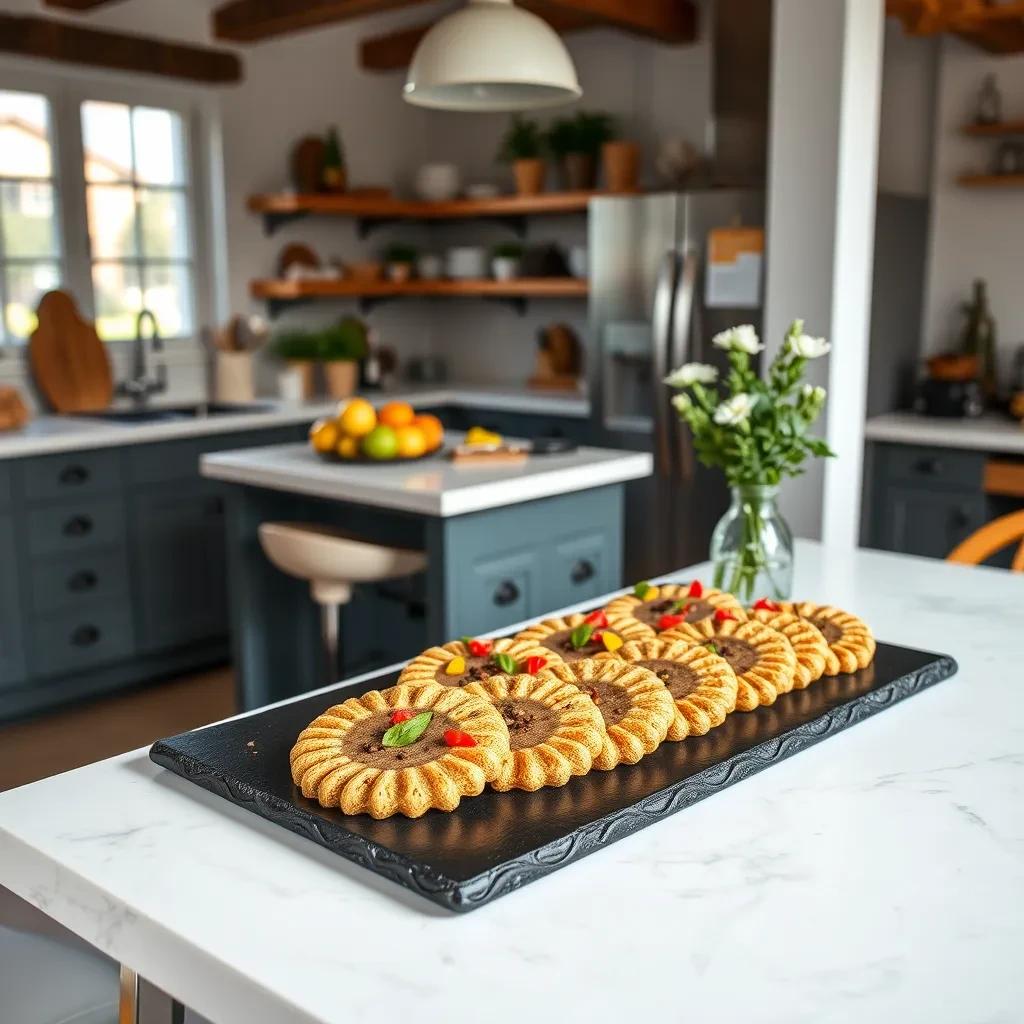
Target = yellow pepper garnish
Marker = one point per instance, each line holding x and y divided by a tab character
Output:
652	594
611	641
455	667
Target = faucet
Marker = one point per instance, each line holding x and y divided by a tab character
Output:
139	386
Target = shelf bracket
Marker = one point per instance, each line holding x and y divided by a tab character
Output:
513	221
273	221
275	307
365	225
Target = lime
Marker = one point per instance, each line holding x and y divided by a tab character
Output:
381	443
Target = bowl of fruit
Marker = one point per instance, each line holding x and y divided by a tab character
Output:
361	433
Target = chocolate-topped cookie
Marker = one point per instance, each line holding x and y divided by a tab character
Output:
651	611
808	643
469	660
850	641
571	639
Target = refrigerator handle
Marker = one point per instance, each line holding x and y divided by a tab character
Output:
683	322
661	331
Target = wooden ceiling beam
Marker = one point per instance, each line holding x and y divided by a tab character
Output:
79	5
668	21
250	21
28	36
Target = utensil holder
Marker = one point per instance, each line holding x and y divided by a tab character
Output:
235	377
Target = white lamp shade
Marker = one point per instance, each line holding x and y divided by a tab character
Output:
491	55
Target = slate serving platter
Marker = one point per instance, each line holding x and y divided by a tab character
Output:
498	842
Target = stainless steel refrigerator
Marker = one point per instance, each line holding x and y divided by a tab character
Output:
648	314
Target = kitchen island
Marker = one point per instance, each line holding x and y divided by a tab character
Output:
875	876
503	542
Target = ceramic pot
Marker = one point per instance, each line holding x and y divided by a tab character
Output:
399	272
466	263
302	369
437	183
342	377
291	383
529	175
621	166
579	261
235	377
505	268
429	267
579	172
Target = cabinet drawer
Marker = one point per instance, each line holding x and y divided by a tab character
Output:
76	526
494	592
71	474
73	641
941	467
5	484
79	580
12	667
578	569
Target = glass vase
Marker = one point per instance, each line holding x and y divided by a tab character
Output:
752	547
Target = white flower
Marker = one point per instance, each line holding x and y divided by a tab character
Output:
739	339
816	395
692	373
682	402
735	410
807	346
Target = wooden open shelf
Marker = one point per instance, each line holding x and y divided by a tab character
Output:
991	180
1001	129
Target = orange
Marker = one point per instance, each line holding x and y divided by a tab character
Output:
396	414
433	429
412	442
358	418
323	435
348	447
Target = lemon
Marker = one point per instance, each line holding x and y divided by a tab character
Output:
358	418
348	447
412	442
480	435
323	435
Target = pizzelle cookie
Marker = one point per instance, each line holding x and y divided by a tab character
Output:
664	607
571	639
809	646
461	662
702	684
762	658
351	758
635	704
555	730
850	641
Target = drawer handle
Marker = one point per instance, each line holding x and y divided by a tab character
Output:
929	467
85	636
582	571
78	526
73	475
507	593
82	581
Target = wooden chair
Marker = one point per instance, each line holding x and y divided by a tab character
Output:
993	537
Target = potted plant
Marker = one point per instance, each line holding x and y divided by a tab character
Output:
399	260
576	142
505	261
756	431
297	349
523	148
621	161
341	348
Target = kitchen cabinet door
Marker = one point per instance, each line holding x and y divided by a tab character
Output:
179	565
923	521
12	663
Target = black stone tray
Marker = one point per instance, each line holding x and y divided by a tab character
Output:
498	842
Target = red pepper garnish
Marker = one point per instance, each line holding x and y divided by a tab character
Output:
723	614
401	716
595	638
670	622
597	618
480	648
457	738
535	664
696	589
762	604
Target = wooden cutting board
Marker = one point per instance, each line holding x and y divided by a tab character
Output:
69	362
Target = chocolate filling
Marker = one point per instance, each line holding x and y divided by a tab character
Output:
529	722
738	653
680	679
561	644
611	699
829	630
362	741
476	669
651	611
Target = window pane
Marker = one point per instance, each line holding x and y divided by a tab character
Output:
118	298
111	221
164	224
169	298
25	286
106	141
27	218
24	135
159	146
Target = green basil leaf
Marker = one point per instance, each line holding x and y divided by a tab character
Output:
641	590
467	640
506	662
678	606
580	635
409	731
713	647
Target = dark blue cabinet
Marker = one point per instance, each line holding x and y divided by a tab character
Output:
12	666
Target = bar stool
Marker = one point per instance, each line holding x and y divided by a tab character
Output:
332	561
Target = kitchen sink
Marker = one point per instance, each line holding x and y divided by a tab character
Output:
172	413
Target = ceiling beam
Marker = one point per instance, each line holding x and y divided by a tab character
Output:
28	36
79	5
669	21
250	21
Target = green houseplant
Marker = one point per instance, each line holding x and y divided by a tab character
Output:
575	143
506	260
339	347
399	260
756	430
523	147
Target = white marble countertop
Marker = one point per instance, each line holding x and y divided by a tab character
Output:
991	432
877	876
52	434
433	486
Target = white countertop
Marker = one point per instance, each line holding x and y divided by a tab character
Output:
52	434
991	432
433	486
877	876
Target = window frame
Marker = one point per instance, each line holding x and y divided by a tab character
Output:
66	89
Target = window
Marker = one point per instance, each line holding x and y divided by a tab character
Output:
137	197
30	245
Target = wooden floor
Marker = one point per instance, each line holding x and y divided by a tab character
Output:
54	743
